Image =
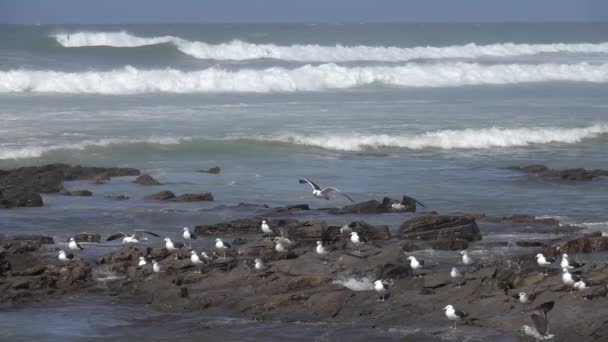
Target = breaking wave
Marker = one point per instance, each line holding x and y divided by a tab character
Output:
308	78
449	139
484	138
240	50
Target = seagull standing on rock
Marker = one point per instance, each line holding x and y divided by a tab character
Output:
266	229
74	245
321	251
569	279
357	240
188	235
222	246
567	264
457	275
196	261
172	247
415	264
381	287
543	261
259	265
155	266
454	315
66	257
322	193
142	262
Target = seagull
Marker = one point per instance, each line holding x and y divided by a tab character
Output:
404	202
582	285
415	264
66	257
357	240
346	229
266	228
526	298
196	260
142	262
540	330
74	245
173	246
259	265
567	264
221	245
321	251
381	287
206	257
137	235
569	279
454	315
456	274
280	248
466	259
322	193
155	266
543	261
188	235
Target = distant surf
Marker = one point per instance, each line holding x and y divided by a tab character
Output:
239	50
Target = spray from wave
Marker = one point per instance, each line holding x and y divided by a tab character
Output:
308	78
240	50
485	138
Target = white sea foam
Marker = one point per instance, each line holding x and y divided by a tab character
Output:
449	139
355	284
240	50
308	78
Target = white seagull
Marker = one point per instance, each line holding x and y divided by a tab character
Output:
222	246
155	266
188	235
74	245
259	264
454	315
540	329
172	246
142	262
466	259
63	256
543	261
357	240
456	274
134	238
280	248
321	251
206	257
322	193
266	228
569	279
381	287
415	264
567	264
196	260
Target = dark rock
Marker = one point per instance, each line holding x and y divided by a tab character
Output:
450	245
87	237
594	242
530	243
207	196
84	193
17	196
146	179
436	227
118	197
578	174
240	226
214	170
41	239
408	246
368	207
161	196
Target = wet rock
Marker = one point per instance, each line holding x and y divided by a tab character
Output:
363	228
118	197
530	243
367	207
40	239
204	197
593	242
578	174
146	179
161	196
17	196
450	245
24	244
241	226
437	227
214	170
84	193
87	237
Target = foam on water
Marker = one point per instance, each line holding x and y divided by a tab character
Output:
308	78
240	50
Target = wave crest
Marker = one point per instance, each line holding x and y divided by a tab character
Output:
130	80
239	50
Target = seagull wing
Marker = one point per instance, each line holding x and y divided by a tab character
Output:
153	234
329	190
406	198
116	236
461	314
540	321
314	186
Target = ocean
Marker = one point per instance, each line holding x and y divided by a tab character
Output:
434	111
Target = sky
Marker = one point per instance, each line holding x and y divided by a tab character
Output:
304	11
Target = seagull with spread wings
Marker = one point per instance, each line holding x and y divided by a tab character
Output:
134	238
323	193
540	329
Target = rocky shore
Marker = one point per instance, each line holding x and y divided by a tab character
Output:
297	285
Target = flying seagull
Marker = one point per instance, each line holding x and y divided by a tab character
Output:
135	238
540	330
74	245
454	315
322	193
